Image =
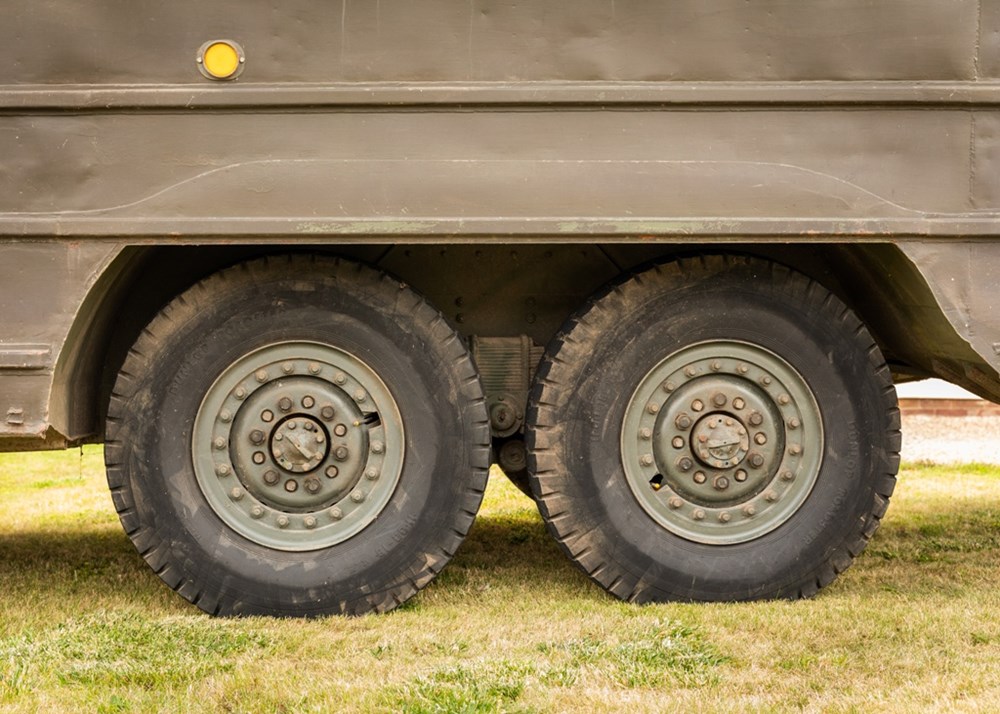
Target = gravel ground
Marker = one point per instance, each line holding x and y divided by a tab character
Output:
951	439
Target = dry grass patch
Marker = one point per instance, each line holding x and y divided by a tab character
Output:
510	626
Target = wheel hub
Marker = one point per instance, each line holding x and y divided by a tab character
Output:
720	440
299	450
714	442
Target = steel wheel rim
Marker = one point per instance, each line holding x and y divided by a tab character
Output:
298	446
722	442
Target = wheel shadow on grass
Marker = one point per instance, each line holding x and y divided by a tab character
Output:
927	544
98	567
507	547
75	570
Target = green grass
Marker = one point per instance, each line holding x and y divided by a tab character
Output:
510	626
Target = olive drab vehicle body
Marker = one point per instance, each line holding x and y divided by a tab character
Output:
308	270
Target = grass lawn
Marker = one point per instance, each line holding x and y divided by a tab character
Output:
509	626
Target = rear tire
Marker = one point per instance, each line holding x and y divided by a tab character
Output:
713	429
297	436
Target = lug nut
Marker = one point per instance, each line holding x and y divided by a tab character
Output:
690	371
257	511
646	460
787	476
258	457
359	395
716	365
760	439
698	515
756	460
749	510
236	494
652	407
677	443
313	485
293	424
282	521
357	496
267	415
372	474
721	483
699	477
219	443
719	400
684	463
336	514
270	478
675	502
340	378
377	447
741	476
669	386
794	449
756	419
314	368
738	403
332	471
341	453
287	367
742	369
256	436
771	496
284	404
308	402
261	375
225	416
697	405
309	522
794	423
240	392
683	421
223	470
645	433
765	380
340	430
724	517
784	399
291	486
327	413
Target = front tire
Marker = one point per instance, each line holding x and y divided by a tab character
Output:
713	429
297	436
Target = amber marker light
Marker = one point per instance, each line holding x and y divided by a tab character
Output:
221	59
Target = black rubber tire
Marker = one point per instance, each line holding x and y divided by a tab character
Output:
408	344
593	365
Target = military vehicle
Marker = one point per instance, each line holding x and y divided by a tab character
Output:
307	270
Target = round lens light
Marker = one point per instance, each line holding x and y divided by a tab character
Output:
221	59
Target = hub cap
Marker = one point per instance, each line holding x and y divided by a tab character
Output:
298	446
722	442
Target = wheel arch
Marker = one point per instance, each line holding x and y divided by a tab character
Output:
884	286
128	293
